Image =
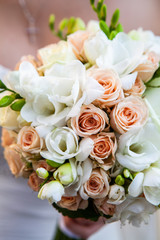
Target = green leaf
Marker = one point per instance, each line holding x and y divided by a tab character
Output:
53	164
112	35
115	18
52	22
89	213
7	100
119	28
2	85
103	13
104	27
17	106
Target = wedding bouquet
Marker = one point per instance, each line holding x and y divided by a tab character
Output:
83	121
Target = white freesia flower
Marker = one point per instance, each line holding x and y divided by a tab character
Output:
122	55
57	95
54	53
93	26
152	100
151	42
95	46
139	147
116	194
134	211
62	144
52	191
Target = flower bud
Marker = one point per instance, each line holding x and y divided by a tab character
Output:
42	173
52	191
119	180
64	174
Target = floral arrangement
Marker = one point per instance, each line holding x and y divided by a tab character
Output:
83	121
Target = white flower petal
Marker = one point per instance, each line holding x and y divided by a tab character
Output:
136	186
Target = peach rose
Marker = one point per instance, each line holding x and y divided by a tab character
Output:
147	70
28	58
8	137
77	40
29	140
90	120
103	206
97	185
129	113
105	146
34	182
42	164
13	156
112	85
73	203
137	89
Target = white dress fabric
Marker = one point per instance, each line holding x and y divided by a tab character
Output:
22	215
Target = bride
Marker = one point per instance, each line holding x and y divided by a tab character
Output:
23	26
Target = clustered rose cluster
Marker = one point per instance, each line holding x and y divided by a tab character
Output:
88	130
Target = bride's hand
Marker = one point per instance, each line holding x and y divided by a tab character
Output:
83	227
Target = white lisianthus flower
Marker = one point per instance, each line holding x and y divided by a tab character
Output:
52	191
148	183
54	53
62	144
151	185
151	42
152	100
139	147
122	55
116	194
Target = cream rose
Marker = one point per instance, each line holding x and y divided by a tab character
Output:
73	203
129	113
111	83
34	182
104	148
13	157
137	89
77	40
146	70
29	140
104	206
8	137
89	121
116	195
8	118
97	186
